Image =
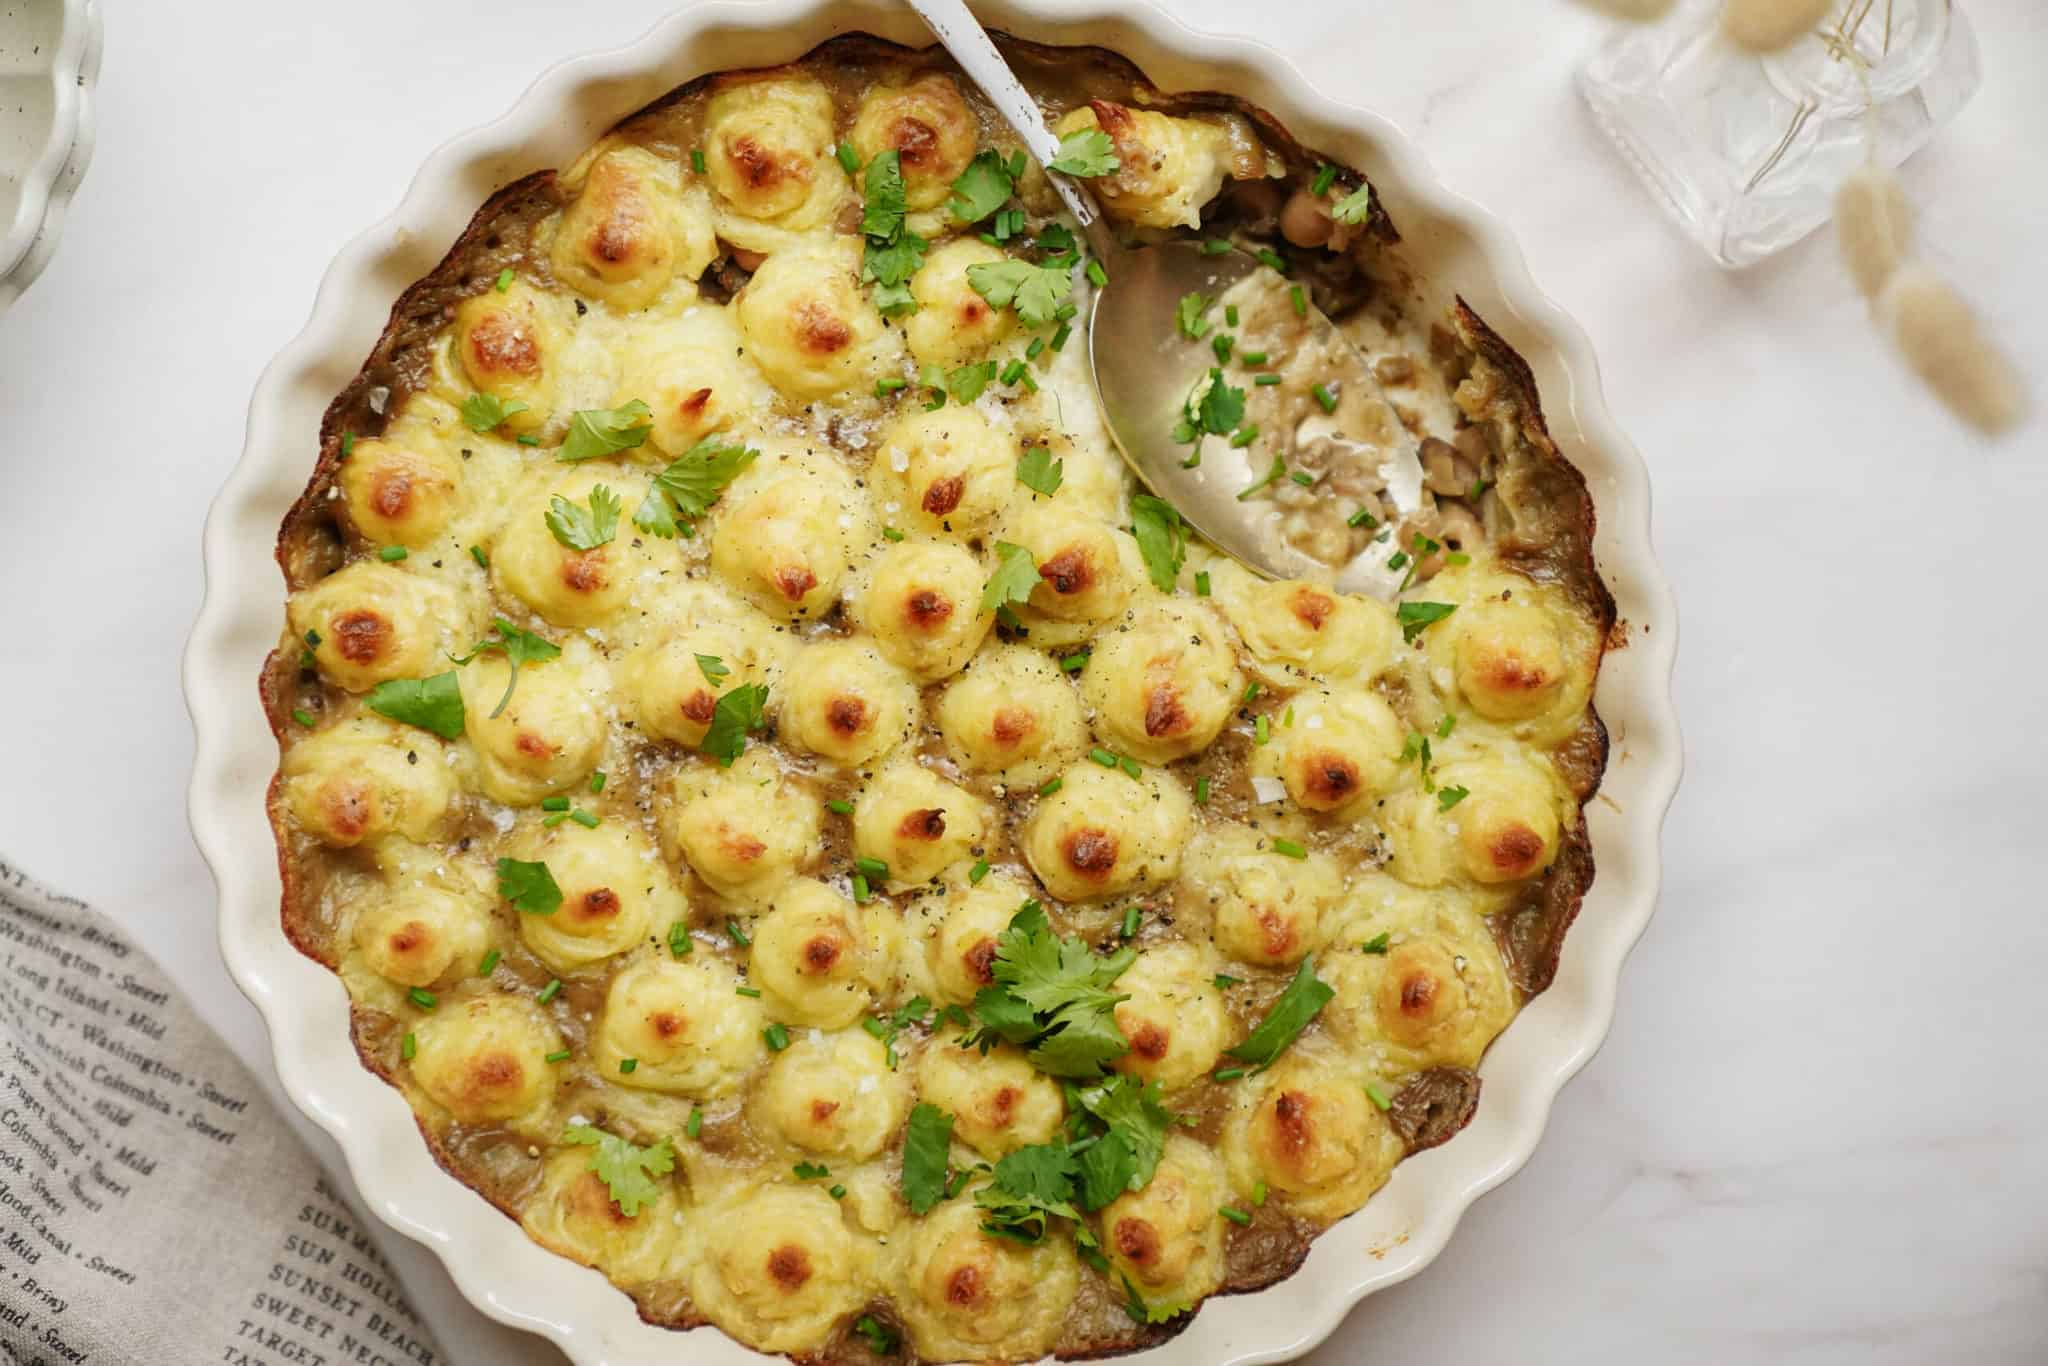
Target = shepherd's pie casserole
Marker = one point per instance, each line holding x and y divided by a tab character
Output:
806	835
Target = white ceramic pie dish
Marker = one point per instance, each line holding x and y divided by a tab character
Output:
49	63
1452	244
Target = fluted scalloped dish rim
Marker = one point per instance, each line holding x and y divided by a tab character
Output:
1452	243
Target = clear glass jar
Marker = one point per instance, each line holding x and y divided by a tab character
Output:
1746	152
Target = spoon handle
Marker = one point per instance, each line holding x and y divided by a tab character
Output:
963	36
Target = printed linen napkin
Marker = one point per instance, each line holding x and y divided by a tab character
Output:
153	1206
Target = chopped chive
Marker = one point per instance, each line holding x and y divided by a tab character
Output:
1215	246
1362	518
1234	1215
1221	344
504	279
1227	1073
1130	766
1201	791
1379	1096
839	806
1303	478
597	781
1012	372
977	872
1397	559
1262	729
559	1055
422	998
1265	381
1036	349
1097	276
862	893
551	821
1271	259
776	1036
874	868
1258	1193
627	1066
1224	981
1251	690
391	554
736	934
1376	944
888	386
1288	719
1325	177
1050	786
890	533
1067	312
306	660
697	160
1103	757
849	158
1446	726
679	942
527	439
1030	384
489	965
1244	436
408	1047
1059	338
1251	357
1201	583
554	804
1130	925
1290	848
550	991
695	1124
837	1192
1324	397
348	444
1230	314
874	1025
753	993
313	639
587	819
1074	663
303	717
1479	487
1299	298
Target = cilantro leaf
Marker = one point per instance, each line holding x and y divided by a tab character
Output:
689	486
1162	539
1141	1312
1029	1188
1354	208
883	192
982	188
1063	986
926	1145
519	647
894	262
1416	616
1138	1123
627	1170
1271	476
737	712
584	530
1035	291
966	383
602	431
1215	406
483	412
1188	316
713	668
1086	152
530	887
1292	1010
1039	472
433	704
1016	575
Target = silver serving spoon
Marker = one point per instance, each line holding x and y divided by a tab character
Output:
1145	368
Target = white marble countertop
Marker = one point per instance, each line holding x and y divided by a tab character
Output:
1815	1134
